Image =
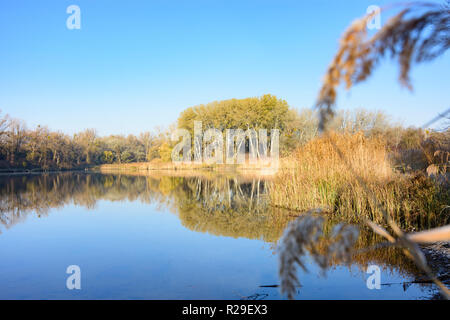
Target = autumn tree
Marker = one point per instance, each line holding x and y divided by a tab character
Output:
87	141
146	139
15	139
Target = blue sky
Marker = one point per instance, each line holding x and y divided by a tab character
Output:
135	65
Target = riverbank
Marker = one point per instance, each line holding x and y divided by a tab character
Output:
438	258
9	172
354	178
260	168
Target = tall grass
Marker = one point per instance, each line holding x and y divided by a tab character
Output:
318	177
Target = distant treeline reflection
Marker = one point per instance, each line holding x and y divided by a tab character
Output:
225	206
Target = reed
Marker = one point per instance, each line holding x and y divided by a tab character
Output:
317	177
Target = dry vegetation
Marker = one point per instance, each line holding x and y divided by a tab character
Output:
350	175
418	33
319	178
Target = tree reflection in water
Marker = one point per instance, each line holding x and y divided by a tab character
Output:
232	206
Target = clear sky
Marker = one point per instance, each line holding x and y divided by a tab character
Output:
136	64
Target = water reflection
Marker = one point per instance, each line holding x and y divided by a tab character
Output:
231	206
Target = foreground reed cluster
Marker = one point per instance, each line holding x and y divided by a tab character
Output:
317	176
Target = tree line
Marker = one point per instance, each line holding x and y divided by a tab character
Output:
23	148
42	148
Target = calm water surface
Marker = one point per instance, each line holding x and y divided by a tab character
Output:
161	237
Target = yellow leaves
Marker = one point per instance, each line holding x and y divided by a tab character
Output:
266	112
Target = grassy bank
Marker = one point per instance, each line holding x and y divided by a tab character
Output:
319	177
261	169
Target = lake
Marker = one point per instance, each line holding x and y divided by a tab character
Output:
165	237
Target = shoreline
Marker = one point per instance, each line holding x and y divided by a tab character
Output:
260	168
438	258
37	171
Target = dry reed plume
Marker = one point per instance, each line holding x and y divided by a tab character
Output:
302	237
419	32
350	174
306	236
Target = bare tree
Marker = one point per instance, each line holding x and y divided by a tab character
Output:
15	139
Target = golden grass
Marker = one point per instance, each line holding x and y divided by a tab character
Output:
320	178
260	168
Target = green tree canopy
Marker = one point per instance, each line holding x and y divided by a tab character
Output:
266	112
